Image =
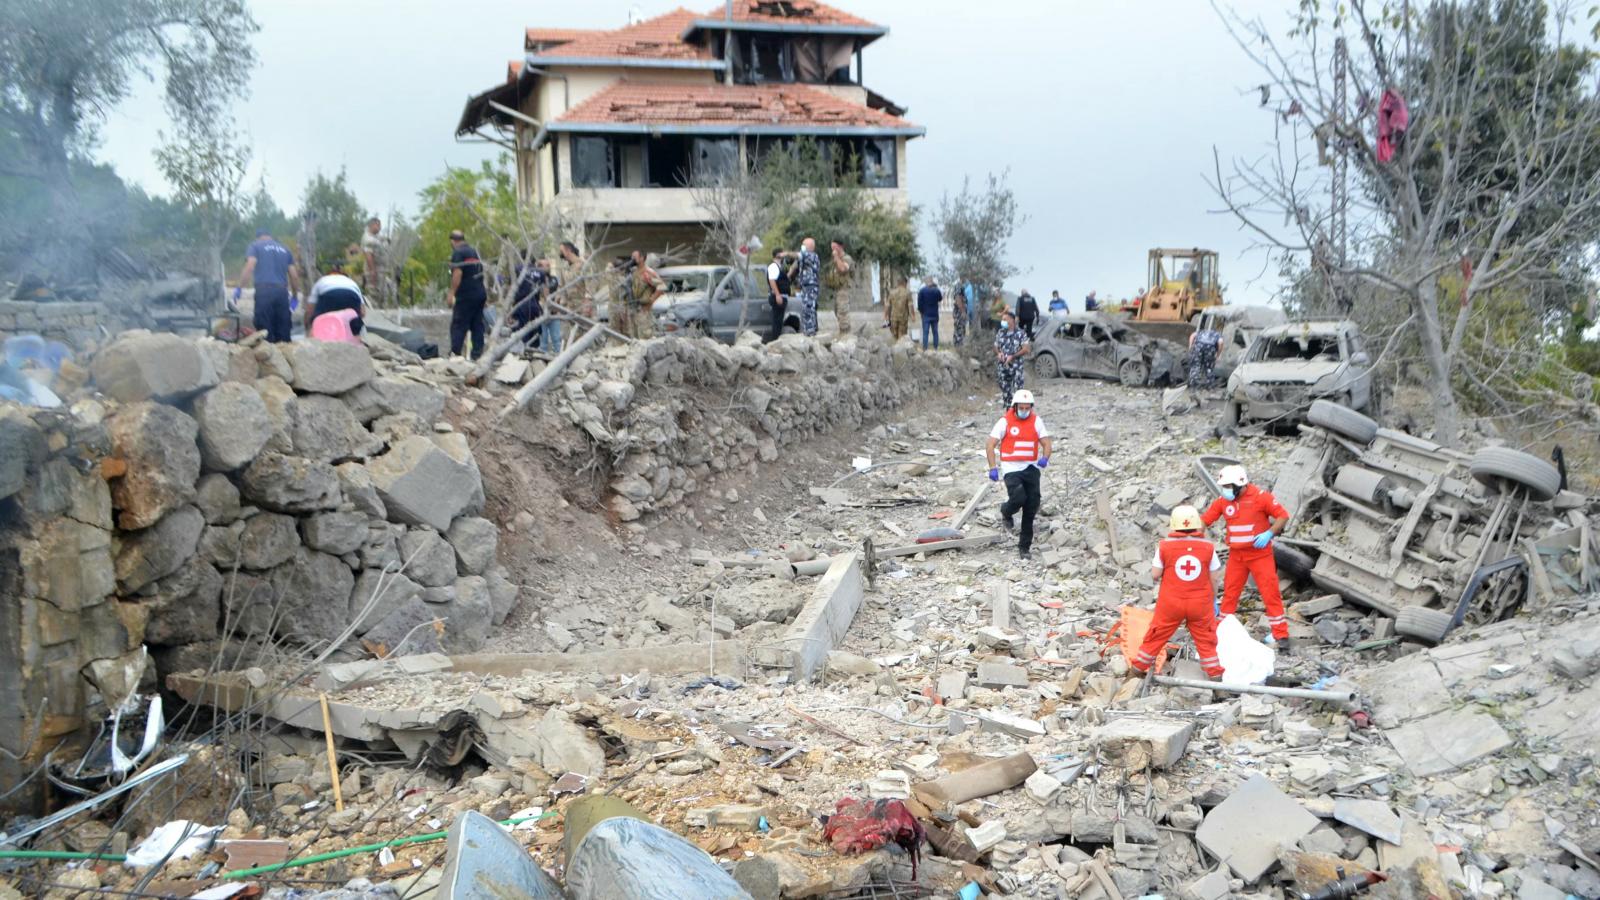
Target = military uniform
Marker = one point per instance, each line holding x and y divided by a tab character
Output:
899	311
839	284
642	285
1203	359
808	277
958	319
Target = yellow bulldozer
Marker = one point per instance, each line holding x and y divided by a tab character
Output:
1182	283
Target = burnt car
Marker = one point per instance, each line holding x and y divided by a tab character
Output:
1093	345
1238	326
1428	535
1290	366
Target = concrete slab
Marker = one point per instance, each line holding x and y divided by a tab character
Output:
1164	739
822	622
671	659
1569	718
1462	666
952	684
1372	816
1405	689
1246	829
993	674
1447	741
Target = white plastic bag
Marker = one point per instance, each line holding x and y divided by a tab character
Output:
1244	659
181	838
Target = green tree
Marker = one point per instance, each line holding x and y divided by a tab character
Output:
975	229
338	215
481	203
206	168
819	197
65	63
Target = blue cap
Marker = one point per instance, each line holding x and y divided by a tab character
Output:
262	232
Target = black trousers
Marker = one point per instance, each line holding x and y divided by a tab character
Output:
272	312
467	317
1022	493
775	325
1027	326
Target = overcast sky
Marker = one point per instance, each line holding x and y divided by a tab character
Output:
1104	111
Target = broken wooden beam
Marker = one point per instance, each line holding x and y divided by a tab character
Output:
972	505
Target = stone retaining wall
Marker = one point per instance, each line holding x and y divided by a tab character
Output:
77	324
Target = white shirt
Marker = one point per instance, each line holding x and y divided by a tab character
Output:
998	432
334	282
774	271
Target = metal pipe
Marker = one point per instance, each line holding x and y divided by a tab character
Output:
1341	697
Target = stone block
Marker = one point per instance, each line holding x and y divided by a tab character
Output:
1316	606
186	607
313	590
1246	829
281	403
326	367
230	362
421	483
22	449
335	532
475	542
234	426
290	484
952	684
359	491
70	565
405	621
983	838
1371	816
158	551
1162	739
503	593
163	462
139	365
381	549
471	615
217	499
766	600
267	540
1042	786
428	557
249	603
387	594
324	429
404	395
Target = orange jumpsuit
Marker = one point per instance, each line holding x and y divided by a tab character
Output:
1186	563
1247	516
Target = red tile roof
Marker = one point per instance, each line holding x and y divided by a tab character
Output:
657	38
548	36
734	106
789	12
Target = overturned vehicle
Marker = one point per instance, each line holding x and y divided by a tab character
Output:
1430	536
1093	345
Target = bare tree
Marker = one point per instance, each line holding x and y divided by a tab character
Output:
740	210
206	169
974	229
1492	175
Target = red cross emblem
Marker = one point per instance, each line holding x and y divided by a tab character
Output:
1015	431
1230	510
1188	567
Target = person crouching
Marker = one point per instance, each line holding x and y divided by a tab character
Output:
1190	574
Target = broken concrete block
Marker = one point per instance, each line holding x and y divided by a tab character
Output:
1168	499
1042	786
338	676
1246	829
1300	733
986	836
847	664
565	746
1371	816
993	674
327	367
1316	606
952	685
1213	886
1447	741
139	365
1162	739
1004	722
512	370
890	784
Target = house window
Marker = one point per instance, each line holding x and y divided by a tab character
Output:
878	163
592	163
763	59
715	157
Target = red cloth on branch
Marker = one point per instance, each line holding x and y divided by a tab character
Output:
861	826
1393	119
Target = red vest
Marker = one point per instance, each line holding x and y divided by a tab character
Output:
1185	568
1246	516
1020	443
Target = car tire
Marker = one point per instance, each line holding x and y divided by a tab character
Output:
1292	561
1045	365
1494	466
1133	373
1343	421
1426	625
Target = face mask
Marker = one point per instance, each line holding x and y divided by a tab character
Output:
1228	493
1024	413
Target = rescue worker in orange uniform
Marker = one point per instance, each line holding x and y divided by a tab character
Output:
1190	573
1018	447
1254	517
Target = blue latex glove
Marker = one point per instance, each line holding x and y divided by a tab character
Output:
1262	539
238	292
994	474
1216	608
1043	461
294	302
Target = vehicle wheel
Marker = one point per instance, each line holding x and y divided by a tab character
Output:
1292	561
1046	366
1133	373
1499	597
1426	625
1343	421
1494	465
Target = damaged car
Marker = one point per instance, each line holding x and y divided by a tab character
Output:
713	301
1290	366
1238	326
1096	346
1430	536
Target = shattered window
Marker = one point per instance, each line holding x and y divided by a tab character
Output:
715	157
591	163
877	163
1323	347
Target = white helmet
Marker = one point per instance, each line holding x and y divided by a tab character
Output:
1233	475
1022	396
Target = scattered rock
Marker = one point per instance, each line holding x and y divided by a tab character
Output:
422	483
140	365
475	542
327	367
163	462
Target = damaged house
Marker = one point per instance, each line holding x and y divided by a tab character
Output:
619	123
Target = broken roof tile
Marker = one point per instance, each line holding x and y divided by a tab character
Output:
627	102
657	38
790	12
